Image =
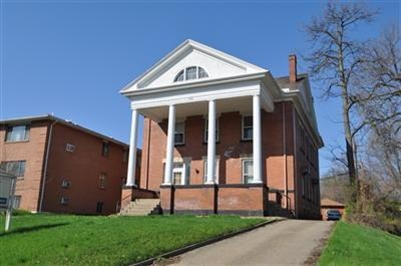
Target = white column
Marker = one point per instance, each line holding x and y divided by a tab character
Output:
257	141
211	143
170	146
132	149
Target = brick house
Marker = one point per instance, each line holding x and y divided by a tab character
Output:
62	167
221	135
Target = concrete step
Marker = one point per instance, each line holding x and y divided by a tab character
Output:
141	207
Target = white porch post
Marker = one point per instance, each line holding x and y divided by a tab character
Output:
211	143
257	141
132	149
170	146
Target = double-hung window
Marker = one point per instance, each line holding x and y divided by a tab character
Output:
247	127
17	133
179	134
105	149
16	168
181	172
247	171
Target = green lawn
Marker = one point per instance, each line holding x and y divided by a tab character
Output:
89	240
352	244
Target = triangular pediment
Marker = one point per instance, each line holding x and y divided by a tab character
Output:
218	65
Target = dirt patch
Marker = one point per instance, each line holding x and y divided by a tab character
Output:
317	251
166	261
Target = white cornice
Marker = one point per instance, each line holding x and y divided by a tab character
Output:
195	84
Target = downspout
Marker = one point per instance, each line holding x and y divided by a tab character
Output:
285	159
295	167
45	166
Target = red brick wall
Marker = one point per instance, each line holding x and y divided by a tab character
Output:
33	152
83	168
307	171
279	167
210	199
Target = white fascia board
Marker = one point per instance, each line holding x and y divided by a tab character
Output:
155	67
266	99
195	84
221	91
224	56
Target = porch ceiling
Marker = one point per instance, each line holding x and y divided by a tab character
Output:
238	104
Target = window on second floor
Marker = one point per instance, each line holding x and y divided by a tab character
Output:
17	133
16	168
179	134
247	128
105	149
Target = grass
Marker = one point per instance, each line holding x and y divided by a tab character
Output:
45	239
352	244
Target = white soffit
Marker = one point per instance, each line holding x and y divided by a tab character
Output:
190	53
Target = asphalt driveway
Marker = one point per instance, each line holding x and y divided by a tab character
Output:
289	242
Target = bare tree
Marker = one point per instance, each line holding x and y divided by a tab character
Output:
379	105
379	98
335	58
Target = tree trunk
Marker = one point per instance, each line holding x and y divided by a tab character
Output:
347	123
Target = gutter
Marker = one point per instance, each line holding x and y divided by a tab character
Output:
45	166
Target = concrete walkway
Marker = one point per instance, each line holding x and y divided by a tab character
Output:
289	242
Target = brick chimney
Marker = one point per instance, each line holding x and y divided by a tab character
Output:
292	60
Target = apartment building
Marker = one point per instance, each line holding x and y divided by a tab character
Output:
62	167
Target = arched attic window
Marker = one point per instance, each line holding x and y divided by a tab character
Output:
193	72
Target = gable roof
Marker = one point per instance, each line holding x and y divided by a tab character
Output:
330	202
183	49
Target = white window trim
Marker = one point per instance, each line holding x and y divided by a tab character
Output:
217	169
242	127
69	147
205	130
186	161
243	160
